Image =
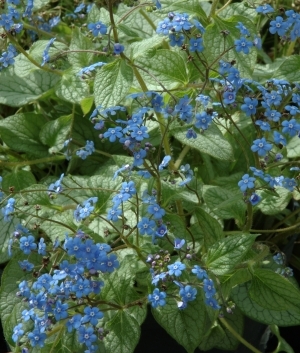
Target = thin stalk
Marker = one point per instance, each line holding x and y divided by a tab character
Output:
181	156
238	336
35	161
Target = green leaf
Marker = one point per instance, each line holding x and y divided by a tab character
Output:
240	295
211	142
225	204
273	292
168	67
55	132
124	333
289	69
220	337
208	227
71	87
214	44
80	42
112	83
86	104
293	148
223	256
6	231
273	204
239	9
139	48
19	179
21	133
16	91
191	7
188	326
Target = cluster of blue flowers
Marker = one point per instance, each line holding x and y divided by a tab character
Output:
176	25
86	151
172	273
279	259
53	297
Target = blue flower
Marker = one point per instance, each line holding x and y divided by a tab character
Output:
180	22
199	272
243	45
139	133
178	243
279	26
243	30
196	45
8	209
203	120
264	125
247	182
272	115
188	293
60	311
290	127
156	211
176	268
113	133
279	139
157	298
17	332
74	322
266	8
118	48
6	21
26	265
191	134
97	28
272	98
254	199
249	106
86	335
79	8
261	146
176	39
164	163
157	103
114	214
273	181
292	109
27	244
45	55
37	338
161	231
164	27
229	97
56	187
92	315
146	226
289	184
224	67
209	288
279	259
212	302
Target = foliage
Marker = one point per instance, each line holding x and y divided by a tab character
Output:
149	156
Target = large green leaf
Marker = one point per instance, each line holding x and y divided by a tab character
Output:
139	48
71	87
80	42
21	133
164	66
273	204
211	142
18	179
224	203
221	338
289	317
274	292
55	132
289	69
17	91
112	83
188	326
6	231
214	44
223	256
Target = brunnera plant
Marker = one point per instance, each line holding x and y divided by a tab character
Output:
149	156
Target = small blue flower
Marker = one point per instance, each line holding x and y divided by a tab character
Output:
164	27
17	332
45	55
209	288
254	199
243	45
61	310
199	272
92	315
180	22
229	97
279	139
279	259
243	30
26	265
37	338
178	243
212	302
266	8
86	335
113	133
118	48
97	28
161	231
261	146
290	127
289	184
156	211
247	182
27	244
188	293
203	120
74	322
191	134
249	106
196	45
146	226
176	39
6	21
279	26
272	115
164	163
176	268
264	125
157	298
